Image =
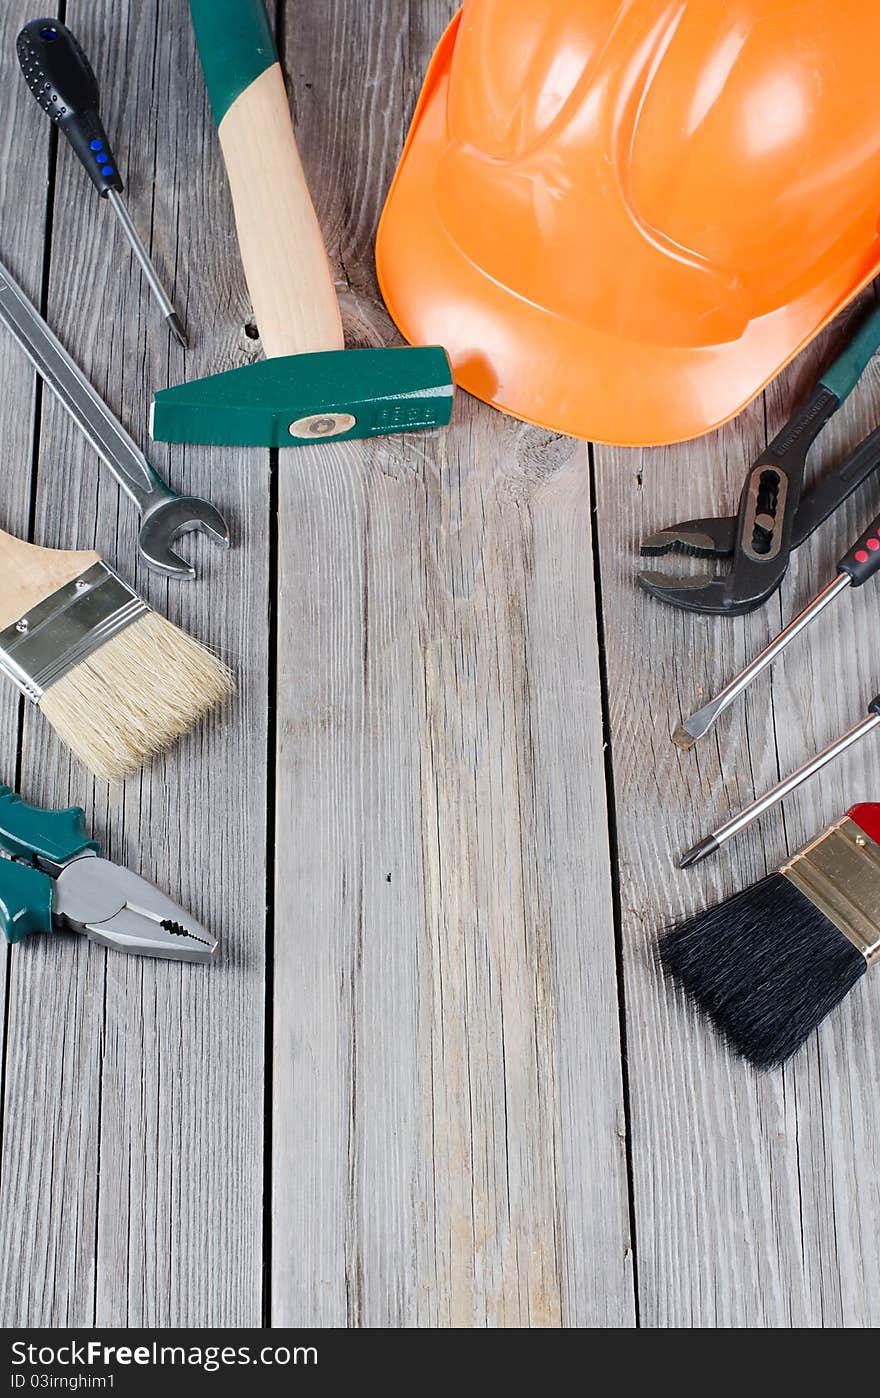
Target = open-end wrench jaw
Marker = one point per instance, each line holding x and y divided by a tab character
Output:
165	516
167	521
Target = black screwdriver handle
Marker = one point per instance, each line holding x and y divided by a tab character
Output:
61	79
862	561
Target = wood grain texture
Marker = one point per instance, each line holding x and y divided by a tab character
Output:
448	1130
133	1127
409	811
22	165
750	1209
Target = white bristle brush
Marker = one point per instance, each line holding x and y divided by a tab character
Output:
118	682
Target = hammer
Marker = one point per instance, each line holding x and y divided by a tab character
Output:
310	388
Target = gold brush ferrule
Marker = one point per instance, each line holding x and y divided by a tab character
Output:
66	628
840	874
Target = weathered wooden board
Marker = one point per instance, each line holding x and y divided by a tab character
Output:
132	1187
749	1190
21	250
448	1144
408	809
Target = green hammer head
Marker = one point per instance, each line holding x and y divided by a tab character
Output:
299	399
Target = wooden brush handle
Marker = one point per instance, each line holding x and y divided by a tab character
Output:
28	574
281	246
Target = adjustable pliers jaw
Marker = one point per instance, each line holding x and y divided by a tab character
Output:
696	538
775	517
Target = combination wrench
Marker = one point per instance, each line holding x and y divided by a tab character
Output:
165	515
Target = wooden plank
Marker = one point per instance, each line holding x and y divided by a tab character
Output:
24	166
749	1190
447	1142
447	1135
135	1088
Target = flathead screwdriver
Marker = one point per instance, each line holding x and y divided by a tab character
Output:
61	79
858	565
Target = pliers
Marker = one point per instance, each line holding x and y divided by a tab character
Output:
55	880
775	516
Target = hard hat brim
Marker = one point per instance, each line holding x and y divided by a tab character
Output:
556	372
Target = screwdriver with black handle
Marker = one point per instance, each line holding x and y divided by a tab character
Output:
62	81
859	563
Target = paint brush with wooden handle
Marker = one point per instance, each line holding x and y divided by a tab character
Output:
118	682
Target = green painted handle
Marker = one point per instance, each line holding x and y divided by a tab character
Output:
235	44
31	833
848	368
25	900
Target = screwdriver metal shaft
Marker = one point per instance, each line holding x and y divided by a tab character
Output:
137	245
764	803
691	729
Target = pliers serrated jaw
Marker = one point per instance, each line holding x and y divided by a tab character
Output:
116	908
697	538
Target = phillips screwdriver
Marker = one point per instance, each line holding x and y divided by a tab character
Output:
732	827
859	564
61	79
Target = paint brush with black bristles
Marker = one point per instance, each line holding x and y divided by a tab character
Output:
768	965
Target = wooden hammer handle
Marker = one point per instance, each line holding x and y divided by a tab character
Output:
281	246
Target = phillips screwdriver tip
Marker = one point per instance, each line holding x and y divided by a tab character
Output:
177	329
699	852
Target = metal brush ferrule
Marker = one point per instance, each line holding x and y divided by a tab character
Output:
65	628
840	874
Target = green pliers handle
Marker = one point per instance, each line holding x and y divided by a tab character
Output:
29	833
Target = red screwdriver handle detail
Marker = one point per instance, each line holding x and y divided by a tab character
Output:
862	561
867	817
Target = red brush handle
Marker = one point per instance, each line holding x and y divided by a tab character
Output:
867	817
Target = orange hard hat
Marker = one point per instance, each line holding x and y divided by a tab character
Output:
623	217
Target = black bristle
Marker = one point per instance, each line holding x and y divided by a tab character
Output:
766	967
